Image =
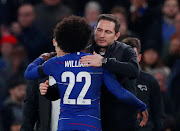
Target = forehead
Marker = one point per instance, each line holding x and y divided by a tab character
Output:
25	8
170	2
106	25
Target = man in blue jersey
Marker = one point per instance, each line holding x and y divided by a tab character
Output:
79	86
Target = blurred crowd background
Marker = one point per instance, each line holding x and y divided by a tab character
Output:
26	31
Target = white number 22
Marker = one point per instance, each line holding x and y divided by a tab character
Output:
72	79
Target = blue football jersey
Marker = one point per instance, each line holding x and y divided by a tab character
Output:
79	89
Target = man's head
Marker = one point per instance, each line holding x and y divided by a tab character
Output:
72	34
107	30
6	45
135	44
26	15
170	8
17	88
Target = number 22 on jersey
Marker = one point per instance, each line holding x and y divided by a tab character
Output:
72	80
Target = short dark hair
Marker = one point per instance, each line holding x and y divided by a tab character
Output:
133	42
72	34
110	17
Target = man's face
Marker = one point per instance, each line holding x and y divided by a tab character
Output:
19	92
150	56
91	15
6	49
26	16
105	33
170	8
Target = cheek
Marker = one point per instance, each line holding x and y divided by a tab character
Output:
110	38
96	34
147	58
154	57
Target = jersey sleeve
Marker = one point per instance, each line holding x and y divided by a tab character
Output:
121	93
32	69
36	69
49	67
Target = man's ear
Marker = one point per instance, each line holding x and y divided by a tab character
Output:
54	42
117	35
94	29
139	57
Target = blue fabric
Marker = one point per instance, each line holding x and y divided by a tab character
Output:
76	112
32	70
2	64
167	31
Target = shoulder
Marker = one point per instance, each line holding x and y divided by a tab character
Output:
8	102
53	61
146	75
123	46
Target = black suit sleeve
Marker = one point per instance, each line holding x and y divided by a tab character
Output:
30	111
53	93
156	105
129	68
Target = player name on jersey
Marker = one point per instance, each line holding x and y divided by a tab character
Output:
73	63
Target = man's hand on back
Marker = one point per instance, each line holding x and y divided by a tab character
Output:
47	56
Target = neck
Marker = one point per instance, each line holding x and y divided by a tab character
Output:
169	20
13	98
60	52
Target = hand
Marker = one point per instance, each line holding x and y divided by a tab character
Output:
145	117
47	56
92	60
44	87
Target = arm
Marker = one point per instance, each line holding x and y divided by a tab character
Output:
50	92
124	95
32	71
121	93
37	70
30	110
156	104
129	68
